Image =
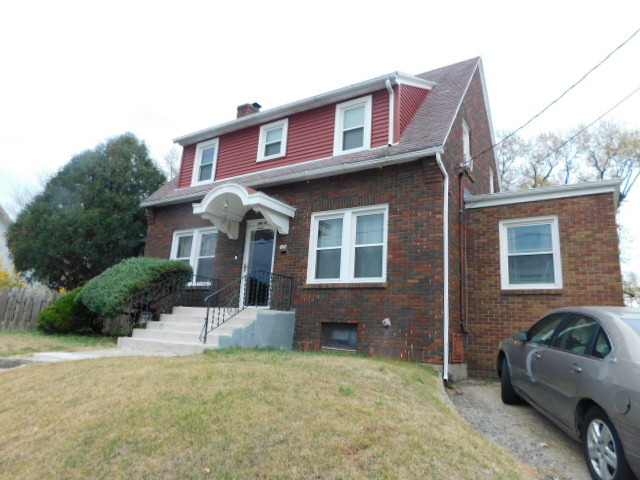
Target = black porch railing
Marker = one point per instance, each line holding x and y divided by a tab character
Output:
182	289
261	289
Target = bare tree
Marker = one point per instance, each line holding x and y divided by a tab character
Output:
611	151
171	162
606	151
510	153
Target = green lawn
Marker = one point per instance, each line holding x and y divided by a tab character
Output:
15	343
238	414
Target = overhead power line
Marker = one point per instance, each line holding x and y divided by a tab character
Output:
582	130
560	97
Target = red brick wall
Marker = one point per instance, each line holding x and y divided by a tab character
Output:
590	271
412	295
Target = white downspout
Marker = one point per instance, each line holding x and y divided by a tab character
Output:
392	120
445	246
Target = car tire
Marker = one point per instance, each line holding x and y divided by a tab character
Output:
507	393
602	448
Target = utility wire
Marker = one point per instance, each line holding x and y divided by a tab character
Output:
582	130
557	99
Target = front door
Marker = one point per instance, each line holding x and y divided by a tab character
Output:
257	265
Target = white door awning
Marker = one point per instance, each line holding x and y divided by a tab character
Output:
226	205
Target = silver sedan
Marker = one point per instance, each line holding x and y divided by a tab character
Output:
580	367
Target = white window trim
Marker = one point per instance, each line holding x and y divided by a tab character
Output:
338	127
264	129
466	145
347	258
197	234
198	158
555	245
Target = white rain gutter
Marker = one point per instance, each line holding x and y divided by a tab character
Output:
392	119
445	246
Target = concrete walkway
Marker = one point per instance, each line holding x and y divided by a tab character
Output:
50	357
90	354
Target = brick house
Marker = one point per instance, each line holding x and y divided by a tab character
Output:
377	200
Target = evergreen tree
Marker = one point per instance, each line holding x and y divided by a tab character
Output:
88	217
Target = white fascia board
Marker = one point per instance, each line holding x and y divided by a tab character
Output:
278	113
306	174
543	194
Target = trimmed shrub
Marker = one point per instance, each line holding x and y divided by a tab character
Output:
107	293
66	316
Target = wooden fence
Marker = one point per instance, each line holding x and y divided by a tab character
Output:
19	307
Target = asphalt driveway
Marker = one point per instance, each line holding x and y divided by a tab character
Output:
520	430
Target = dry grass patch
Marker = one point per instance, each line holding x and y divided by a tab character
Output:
25	342
238	415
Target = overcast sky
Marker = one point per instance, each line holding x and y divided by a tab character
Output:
74	73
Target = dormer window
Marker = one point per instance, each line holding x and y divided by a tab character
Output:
273	140
353	126
205	162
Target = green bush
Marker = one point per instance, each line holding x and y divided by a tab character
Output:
66	316
107	293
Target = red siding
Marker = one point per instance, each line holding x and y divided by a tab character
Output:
380	119
310	137
186	169
409	99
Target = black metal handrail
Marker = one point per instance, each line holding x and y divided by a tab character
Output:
261	289
182	289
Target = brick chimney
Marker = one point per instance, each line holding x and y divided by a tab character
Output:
248	109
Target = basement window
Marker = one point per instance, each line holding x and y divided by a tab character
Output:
340	336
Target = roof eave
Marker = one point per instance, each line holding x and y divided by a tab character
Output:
546	193
304	175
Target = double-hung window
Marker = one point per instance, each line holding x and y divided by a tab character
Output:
198	249
530	253
353	126
348	246
273	140
204	168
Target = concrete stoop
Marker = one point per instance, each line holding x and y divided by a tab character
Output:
178	333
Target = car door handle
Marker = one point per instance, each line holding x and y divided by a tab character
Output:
575	369
537	355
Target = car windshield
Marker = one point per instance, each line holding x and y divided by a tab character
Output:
633	322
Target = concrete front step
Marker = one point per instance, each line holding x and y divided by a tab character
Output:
179	333
167	335
176	326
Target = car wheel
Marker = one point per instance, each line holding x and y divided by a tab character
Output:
602	448
507	393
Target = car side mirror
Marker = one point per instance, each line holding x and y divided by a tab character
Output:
521	336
